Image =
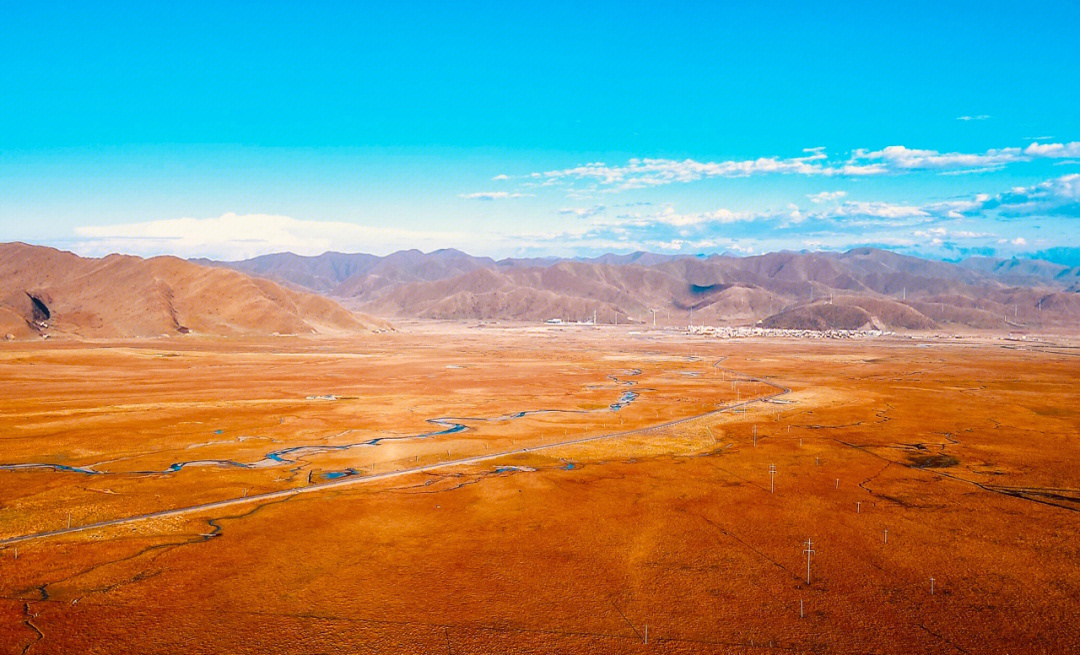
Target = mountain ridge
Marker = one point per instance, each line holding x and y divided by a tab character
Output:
912	293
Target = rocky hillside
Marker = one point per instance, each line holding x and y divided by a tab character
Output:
44	291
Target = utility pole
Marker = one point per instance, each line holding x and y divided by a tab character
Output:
809	551
886	535
755	436
931	585
772	478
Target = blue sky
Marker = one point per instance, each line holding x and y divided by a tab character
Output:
508	129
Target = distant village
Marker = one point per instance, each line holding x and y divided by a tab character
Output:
743	332
728	332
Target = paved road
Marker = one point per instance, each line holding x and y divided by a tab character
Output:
343	482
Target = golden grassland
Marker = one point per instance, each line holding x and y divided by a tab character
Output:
966	453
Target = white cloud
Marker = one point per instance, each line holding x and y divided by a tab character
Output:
639	173
644	173
942	233
826	196
1066	187
669	217
1053	150
956	208
1058	196
583	212
854	170
980	117
901	158
233	236
878	210
492	195
1054	197
674	244
908	159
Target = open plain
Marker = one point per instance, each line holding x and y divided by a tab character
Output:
486	489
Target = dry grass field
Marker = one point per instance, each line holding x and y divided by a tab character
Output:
531	490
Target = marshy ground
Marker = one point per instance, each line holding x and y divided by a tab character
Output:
514	490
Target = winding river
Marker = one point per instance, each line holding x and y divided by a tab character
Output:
292	454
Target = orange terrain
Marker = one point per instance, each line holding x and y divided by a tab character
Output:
531	490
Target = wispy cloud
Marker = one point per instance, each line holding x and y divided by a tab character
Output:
978	222
900	158
644	173
980	117
826	196
937	236
583	212
876	210
668	216
492	195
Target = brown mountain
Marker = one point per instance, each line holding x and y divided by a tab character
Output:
48	291
864	286
1027	272
353	274
321	274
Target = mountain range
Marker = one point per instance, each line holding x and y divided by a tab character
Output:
865	287
44	291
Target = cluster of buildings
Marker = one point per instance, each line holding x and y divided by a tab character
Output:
743	332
